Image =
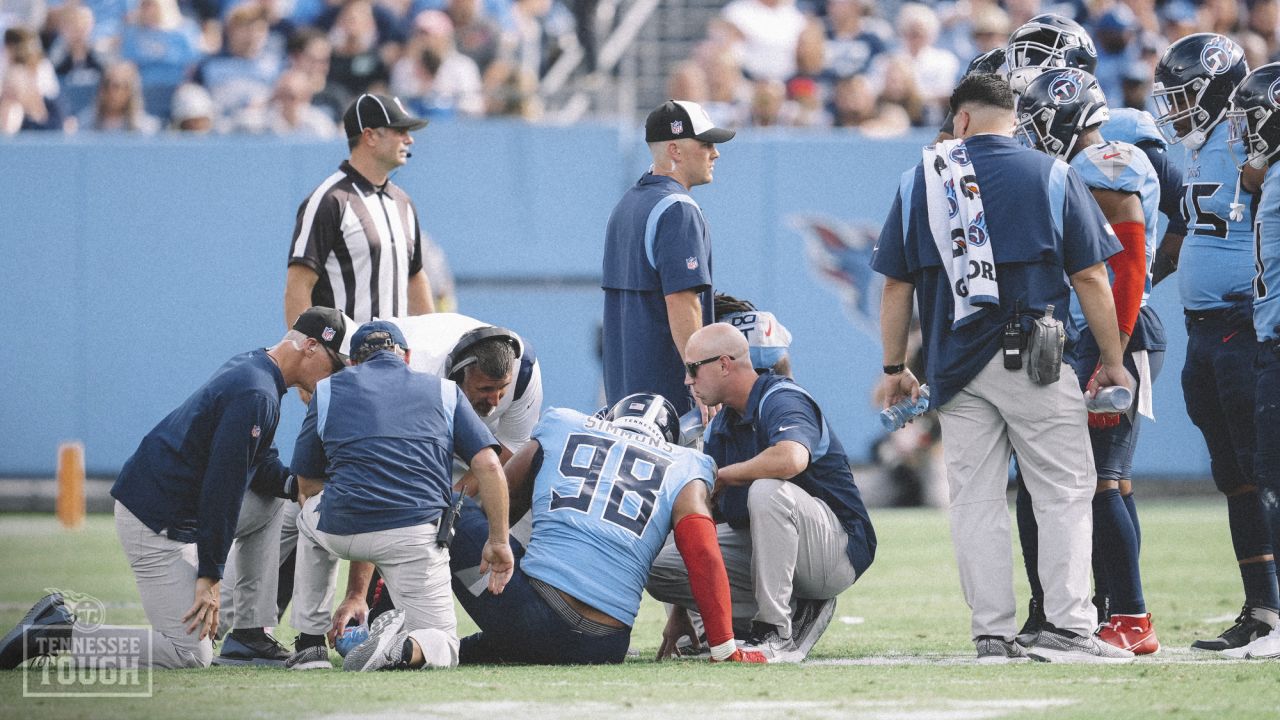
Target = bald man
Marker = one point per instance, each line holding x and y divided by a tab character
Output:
794	531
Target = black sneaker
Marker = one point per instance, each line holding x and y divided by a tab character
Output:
810	621
251	646
1252	623
36	634
1034	624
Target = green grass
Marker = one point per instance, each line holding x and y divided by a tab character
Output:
899	648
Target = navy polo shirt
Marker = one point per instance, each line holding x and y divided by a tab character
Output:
1044	226
778	409
188	476
383	436
656	244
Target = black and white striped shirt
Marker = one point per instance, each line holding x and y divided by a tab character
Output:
363	241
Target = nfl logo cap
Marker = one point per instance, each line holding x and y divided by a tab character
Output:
374	336
330	327
676	119
378	111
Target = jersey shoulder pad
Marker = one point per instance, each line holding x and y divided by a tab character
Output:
1112	166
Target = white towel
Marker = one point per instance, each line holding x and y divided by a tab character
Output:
960	229
1144	405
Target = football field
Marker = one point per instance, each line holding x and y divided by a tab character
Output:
898	649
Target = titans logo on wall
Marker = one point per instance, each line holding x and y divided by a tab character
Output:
839	254
1215	58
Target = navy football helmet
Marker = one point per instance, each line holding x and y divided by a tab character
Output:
648	414
1044	42
1057	107
1193	84
1255	113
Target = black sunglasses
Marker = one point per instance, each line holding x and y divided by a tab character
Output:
692	367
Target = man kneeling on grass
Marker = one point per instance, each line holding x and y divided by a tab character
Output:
382	439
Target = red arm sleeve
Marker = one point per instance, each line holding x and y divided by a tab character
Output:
697	543
1130	268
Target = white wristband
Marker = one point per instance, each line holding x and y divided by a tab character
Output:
722	651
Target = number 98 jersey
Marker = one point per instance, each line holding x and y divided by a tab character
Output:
602	502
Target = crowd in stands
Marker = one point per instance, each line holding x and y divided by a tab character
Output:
885	68
288	67
283	67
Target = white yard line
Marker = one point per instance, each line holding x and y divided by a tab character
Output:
941	709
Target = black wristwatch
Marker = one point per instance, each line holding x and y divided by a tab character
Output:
894	369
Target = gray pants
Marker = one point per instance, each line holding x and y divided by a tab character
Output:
165	572
794	548
1000	412
415	569
250	577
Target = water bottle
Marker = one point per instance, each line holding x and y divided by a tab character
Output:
1114	399
691	428
896	416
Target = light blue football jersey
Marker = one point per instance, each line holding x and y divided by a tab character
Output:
1116	165
602	504
1266	283
1217	254
1132	126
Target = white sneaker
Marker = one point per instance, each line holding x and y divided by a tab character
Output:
1054	645
1266	647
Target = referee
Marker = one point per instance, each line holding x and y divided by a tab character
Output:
357	244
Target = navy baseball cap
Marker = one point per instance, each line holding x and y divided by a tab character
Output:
677	119
328	326
378	111
374	336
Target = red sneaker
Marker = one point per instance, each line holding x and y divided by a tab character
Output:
1130	632
745	655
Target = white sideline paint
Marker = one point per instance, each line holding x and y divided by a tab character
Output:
808	710
1166	656
852	619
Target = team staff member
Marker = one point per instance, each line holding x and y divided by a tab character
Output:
657	259
373	463
178	497
574	595
357	245
498	373
796	531
1025	221
1194	80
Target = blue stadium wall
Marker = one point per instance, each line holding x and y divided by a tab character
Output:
131	268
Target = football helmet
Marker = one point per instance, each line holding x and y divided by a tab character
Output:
648	414
1044	42
1194	80
1057	107
1255	113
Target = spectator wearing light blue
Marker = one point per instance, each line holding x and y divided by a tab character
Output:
242	76
163	45
1116	34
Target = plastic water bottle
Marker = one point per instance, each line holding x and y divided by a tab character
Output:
1114	399
691	428
896	416
350	638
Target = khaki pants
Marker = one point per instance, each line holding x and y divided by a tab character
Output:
253	566
165	572
1001	412
794	548
415	569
